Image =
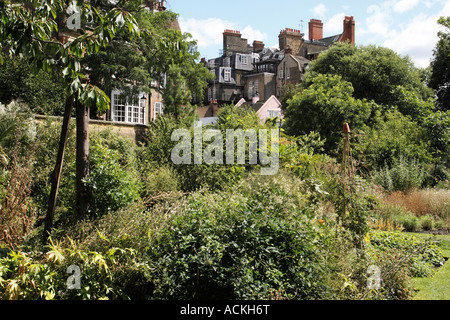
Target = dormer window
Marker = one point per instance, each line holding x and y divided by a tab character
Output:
227	75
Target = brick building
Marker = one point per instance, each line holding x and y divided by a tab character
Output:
256	73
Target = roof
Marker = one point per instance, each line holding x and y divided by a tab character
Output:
328	41
301	59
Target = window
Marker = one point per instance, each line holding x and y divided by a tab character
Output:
214	93
274	113
250	90
281	73
158	109
227	75
244	60
288	73
256	89
209	94
213	72
128	109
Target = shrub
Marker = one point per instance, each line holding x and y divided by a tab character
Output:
427	222
17	215
393	140
227	246
162	179
423	256
112	186
403	175
111	274
157	152
409	222
423	202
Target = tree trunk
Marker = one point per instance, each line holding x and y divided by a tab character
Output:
82	162
56	176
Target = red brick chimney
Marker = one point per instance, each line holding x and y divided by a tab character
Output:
258	46
315	29
349	30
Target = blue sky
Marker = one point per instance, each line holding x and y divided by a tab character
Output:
407	26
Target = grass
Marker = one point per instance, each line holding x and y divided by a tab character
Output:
438	286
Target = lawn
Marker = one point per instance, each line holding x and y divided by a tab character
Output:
437	287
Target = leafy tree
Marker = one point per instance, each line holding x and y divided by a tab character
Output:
391	136
166	61
324	107
18	82
440	77
373	71
31	29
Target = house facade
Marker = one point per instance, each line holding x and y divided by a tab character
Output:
256	73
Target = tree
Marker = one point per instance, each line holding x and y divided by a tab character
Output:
373	71
440	77
18	82
324	107
31	29
167	62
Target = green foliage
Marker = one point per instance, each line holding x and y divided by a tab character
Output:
301	155
324	107
229	247
440	77
159	180
110	274
232	117
390	137
421	255
373	71
17	82
113	185
402	175
157	152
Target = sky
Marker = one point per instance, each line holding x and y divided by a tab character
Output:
409	27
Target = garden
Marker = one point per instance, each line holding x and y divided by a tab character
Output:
360	213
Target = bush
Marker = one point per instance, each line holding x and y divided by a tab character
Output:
162	179
391	137
112	185
157	152
423	256
403	175
111	274
228	246
409	222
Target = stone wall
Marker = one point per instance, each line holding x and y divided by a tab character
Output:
133	131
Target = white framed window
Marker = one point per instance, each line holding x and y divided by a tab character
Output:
281	73
274	113
214	93
209	94
244	60
227	75
158	109
128	109
288	73
256	89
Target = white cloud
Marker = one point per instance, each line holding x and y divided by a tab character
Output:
334	25
418	38
320	10
405	5
379	20
253	34
207	32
